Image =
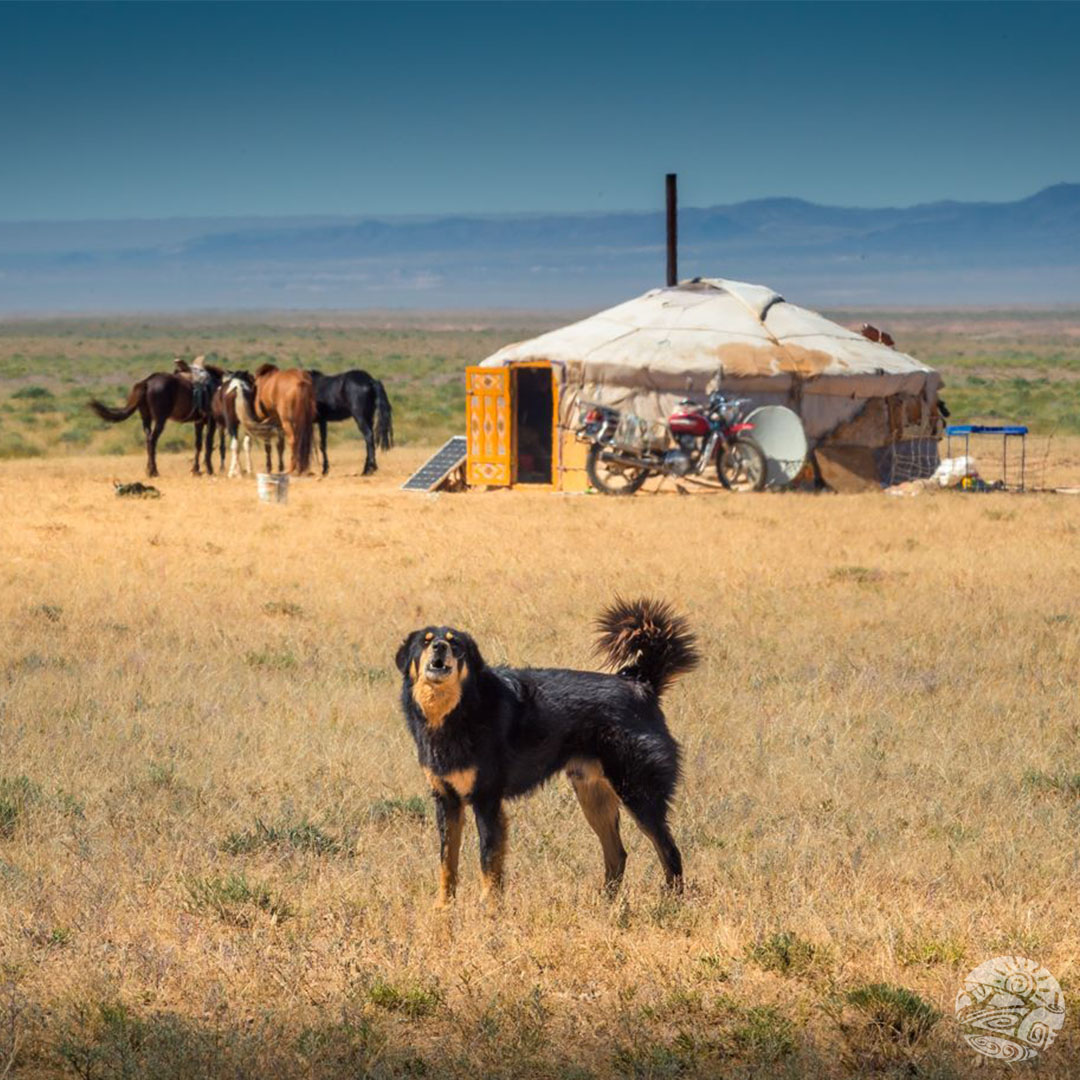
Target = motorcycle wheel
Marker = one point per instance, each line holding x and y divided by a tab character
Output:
740	466
610	477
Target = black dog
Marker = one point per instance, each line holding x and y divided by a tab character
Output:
487	734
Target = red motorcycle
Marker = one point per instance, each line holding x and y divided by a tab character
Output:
626	450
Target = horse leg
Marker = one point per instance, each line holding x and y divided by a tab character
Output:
234	455
322	447
369	442
152	436
281	450
147	422
290	437
198	448
247	451
211	429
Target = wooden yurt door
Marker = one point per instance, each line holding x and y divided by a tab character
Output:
489	428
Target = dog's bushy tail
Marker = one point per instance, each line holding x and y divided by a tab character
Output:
645	640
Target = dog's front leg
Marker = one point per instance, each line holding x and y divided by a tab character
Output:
491	825
450	815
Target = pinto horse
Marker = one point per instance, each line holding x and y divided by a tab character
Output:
354	393
236	402
223	408
287	398
162	397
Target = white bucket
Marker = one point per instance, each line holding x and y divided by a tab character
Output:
273	487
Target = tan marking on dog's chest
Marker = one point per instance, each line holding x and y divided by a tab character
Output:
436	700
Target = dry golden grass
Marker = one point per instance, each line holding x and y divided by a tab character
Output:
215	858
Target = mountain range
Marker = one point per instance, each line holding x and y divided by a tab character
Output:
939	254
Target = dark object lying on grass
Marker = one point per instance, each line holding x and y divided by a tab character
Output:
137	490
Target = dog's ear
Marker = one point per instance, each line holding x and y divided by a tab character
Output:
405	651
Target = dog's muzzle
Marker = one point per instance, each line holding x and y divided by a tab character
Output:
441	663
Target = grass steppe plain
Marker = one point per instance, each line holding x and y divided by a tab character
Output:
216	853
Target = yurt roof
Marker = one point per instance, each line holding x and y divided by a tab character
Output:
711	327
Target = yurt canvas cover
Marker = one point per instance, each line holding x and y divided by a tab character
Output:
859	400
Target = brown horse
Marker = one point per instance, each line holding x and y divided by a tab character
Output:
161	397
288	399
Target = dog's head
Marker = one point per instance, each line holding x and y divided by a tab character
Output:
437	663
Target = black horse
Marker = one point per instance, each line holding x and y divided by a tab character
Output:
354	393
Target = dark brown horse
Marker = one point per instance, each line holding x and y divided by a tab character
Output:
162	397
287	398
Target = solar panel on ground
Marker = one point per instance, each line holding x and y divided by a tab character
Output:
437	468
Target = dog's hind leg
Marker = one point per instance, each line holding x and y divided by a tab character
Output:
668	852
492	827
450	816
650	813
600	805
654	826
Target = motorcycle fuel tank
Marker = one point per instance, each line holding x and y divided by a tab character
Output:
688	423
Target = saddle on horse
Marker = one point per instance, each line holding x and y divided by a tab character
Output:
199	378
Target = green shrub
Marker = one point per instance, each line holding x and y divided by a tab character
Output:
37	398
13	445
282	607
414	808
414	1000
1061	782
764	1035
272	659
786	953
927	951
76	437
234	899
898	1015
301	836
17	795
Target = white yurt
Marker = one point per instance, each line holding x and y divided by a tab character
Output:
870	412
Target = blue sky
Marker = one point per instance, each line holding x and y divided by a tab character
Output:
192	109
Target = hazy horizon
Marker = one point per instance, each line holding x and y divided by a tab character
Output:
523	213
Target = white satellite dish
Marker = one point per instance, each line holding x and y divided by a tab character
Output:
779	432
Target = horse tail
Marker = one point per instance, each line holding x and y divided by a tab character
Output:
114	416
303	418
384	418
